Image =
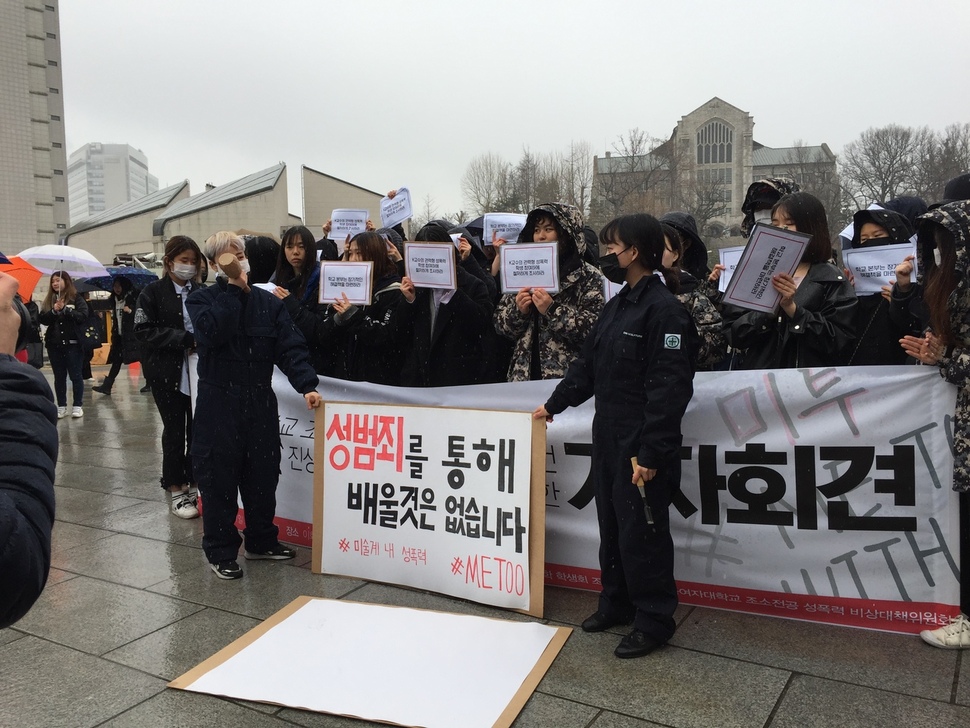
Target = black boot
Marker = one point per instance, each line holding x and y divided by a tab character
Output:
104	387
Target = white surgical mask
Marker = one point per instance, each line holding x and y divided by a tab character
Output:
244	264
184	271
763	216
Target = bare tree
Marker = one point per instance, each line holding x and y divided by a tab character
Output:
427	213
485	181
883	163
626	182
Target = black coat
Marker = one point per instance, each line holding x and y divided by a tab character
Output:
368	344
309	317
451	354
66	326
820	334
28	452
160	329
123	341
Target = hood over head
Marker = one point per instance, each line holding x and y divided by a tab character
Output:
695	253
767	192
570	221
909	207
956	189
898	227
955	217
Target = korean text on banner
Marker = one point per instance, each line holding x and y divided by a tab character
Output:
432	498
769	251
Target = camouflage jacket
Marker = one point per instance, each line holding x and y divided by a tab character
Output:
955	364
562	330
710	328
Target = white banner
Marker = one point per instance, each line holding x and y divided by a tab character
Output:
822	494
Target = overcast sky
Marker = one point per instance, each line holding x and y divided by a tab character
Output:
389	94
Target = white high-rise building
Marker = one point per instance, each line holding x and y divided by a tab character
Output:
33	161
102	176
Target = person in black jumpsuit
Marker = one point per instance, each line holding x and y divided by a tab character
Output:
638	362
241	333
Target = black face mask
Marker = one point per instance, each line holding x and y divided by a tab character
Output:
610	265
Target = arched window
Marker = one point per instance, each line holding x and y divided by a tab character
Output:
715	143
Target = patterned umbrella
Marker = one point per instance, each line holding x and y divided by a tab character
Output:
139	277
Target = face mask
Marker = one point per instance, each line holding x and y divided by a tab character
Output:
610	265
184	271
936	256
244	264
763	216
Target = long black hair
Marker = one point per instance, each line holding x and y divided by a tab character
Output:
285	275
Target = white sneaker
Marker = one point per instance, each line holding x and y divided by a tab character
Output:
61	413
954	636
182	506
77	412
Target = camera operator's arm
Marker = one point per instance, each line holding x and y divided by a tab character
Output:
28	451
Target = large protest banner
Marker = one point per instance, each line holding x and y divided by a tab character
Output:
450	500
813	494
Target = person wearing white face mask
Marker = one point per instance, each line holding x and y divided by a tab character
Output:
242	333
163	328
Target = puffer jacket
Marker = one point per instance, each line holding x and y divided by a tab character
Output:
560	333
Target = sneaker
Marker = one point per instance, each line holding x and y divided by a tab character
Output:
227	570
61	413
77	412
193	493
102	389
182	506
278	553
954	636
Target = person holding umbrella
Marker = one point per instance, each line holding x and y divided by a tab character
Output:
123	303
64	312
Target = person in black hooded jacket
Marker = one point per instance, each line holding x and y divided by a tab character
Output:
367	340
877	332
444	328
694	260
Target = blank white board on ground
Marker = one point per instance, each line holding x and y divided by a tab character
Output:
407	667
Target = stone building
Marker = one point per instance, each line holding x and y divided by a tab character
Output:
33	161
324	193
704	168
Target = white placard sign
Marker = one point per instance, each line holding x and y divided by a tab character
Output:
344	222
353	279
874	267
504	225
530	265
396	210
729	258
431	265
769	251
428	497
610	288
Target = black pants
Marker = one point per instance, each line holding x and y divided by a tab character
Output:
236	450
636	558
114	357
176	411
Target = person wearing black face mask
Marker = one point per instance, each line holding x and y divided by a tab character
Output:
638	363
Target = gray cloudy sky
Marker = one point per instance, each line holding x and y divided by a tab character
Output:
385	94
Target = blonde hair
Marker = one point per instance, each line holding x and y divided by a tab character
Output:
221	242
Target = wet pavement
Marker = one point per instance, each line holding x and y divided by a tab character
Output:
131	604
